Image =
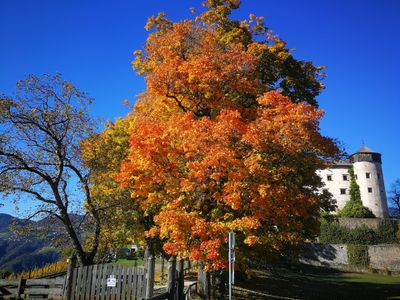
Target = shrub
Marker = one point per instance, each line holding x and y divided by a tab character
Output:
332	233
353	209
361	235
357	255
387	231
4	273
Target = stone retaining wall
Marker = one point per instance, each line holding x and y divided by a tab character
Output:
383	258
352	223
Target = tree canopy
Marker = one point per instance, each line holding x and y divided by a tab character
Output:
40	130
103	153
226	137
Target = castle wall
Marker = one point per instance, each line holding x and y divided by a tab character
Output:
367	166
336	183
352	223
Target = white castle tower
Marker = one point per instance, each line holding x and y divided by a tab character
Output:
367	166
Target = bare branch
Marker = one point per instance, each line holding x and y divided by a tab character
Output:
43	211
25	165
36	194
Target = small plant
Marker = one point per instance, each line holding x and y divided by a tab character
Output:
357	255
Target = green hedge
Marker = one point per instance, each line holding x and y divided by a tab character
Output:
387	232
333	233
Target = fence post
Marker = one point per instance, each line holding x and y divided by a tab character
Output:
21	287
162	267
181	279
68	279
150	265
171	277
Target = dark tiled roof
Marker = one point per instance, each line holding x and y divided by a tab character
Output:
342	163
365	149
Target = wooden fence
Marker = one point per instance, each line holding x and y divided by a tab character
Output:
103	282
107	281
51	288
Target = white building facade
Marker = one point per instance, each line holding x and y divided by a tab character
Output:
367	166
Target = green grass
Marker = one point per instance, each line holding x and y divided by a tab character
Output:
325	275
307	282
130	262
369	278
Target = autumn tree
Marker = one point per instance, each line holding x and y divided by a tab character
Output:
103	152
40	130
226	137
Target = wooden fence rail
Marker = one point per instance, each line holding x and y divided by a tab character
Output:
107	281
98	282
29	288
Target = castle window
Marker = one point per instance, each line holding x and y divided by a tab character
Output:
378	175
355	176
343	191
329	177
368	175
345	177
370	190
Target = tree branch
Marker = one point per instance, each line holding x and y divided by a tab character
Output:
25	166
177	101
36	194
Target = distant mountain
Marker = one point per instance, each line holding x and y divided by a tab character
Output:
22	253
5	221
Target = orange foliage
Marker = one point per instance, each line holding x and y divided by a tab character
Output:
214	148
206	176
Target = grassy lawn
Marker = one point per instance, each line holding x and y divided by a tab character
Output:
138	262
306	282
130	262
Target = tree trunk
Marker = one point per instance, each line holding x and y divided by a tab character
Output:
149	259
203	283
80	253
181	279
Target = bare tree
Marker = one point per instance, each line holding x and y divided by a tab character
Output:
394	196
41	127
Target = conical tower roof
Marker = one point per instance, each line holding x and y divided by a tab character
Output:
365	154
365	149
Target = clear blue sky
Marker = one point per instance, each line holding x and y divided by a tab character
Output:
91	43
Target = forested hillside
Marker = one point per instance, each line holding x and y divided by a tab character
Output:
18	253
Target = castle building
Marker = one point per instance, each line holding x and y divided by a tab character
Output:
367	166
